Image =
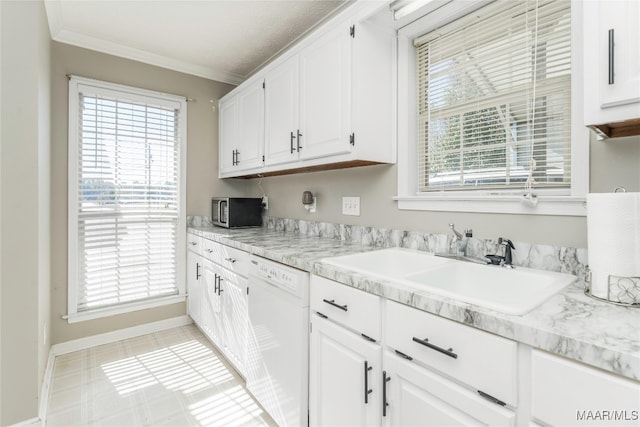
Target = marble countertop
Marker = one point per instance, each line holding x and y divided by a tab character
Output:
569	324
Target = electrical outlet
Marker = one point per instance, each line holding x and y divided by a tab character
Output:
351	206
265	202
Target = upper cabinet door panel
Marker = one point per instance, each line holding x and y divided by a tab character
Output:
250	127
282	112
326	95
611	38
619	22
228	133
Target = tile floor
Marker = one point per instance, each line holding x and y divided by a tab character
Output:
168	378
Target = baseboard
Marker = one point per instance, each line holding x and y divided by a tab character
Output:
46	387
122	334
30	422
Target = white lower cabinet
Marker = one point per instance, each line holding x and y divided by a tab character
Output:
217	303
194	285
416	396
345	380
567	393
211	306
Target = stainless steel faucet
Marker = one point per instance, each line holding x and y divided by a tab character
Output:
508	246
461	240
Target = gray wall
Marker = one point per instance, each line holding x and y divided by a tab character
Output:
25	196
202	158
613	163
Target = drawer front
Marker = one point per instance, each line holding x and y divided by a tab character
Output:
225	256
486	362
570	393
348	306
194	243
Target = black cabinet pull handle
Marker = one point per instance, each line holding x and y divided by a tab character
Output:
385	380
426	343
367	390
198	271
333	303
299	135
231	260
292	137
611	49
220	290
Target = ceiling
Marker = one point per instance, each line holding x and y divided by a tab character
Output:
223	40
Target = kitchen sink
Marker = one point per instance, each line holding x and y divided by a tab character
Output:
389	264
512	291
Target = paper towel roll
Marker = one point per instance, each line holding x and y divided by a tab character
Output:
613	238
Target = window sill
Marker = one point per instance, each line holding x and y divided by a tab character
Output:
122	309
508	204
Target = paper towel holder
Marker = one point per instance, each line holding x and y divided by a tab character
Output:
622	291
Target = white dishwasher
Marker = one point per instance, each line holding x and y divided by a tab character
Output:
278	345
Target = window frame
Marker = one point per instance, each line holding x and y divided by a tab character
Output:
75	88
570	202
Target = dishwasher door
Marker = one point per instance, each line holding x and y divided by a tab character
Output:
278	351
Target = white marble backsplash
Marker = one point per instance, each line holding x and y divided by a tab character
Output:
543	257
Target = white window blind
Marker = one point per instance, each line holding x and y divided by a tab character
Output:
494	99
125	201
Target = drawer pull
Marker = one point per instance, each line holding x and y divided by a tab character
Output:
231	260
385	380
367	390
333	303
210	251
491	398
192	243
426	343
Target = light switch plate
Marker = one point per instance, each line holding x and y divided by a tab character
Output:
351	205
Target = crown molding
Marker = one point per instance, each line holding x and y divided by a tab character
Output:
62	35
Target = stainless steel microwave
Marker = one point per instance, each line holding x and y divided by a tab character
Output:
235	212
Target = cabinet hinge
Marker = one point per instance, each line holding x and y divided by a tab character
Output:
352	139
352	31
491	398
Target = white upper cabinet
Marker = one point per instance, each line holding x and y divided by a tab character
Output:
328	103
282	113
325	95
242	129
611	62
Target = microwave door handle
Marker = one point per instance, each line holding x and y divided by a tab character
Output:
222	219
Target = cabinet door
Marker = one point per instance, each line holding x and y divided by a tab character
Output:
565	392
325	97
611	61
419	397
281	113
338	379
235	318
228	133
620	19
250	142
194	276
211	307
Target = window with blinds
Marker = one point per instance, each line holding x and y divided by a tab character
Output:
125	199
494	99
